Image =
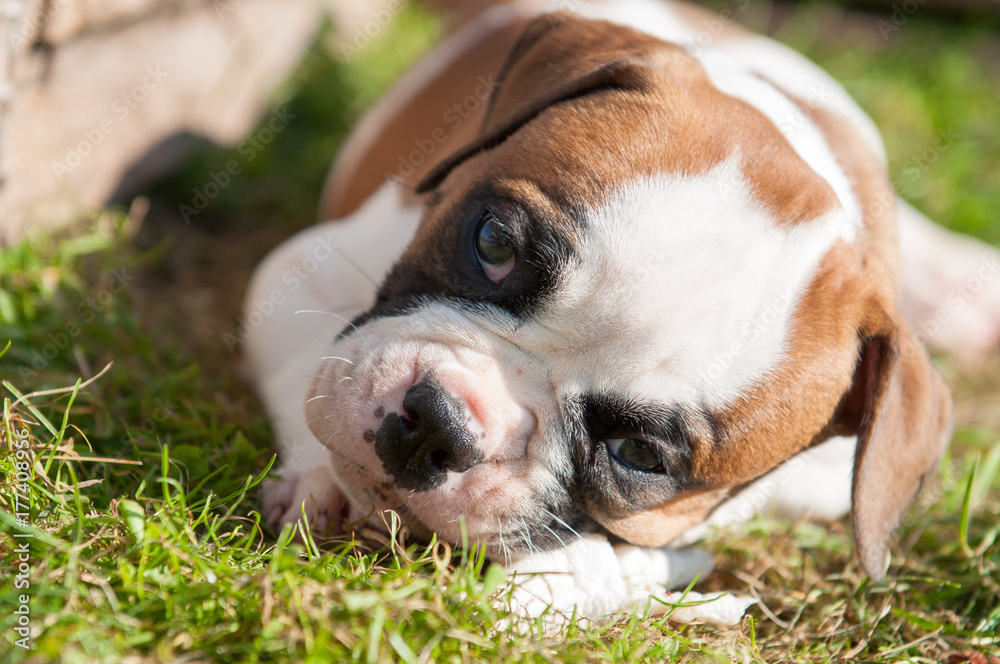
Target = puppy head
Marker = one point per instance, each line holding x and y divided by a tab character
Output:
628	298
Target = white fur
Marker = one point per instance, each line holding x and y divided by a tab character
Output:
307	309
651	302
683	290
593	580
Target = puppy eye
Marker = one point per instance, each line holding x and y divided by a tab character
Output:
494	248
636	454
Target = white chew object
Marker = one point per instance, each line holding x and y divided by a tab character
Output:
595	581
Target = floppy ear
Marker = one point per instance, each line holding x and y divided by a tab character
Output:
558	57
900	409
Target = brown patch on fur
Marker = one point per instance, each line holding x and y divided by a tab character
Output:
585	106
428	119
905	420
658	526
853	367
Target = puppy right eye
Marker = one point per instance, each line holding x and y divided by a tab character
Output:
636	454
494	248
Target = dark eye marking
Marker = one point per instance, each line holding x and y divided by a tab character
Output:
629	455
494	247
635	453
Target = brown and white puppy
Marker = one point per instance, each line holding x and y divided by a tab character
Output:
623	273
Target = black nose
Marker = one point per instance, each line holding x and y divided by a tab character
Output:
420	446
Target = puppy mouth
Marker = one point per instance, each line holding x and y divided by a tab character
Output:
512	536
366	409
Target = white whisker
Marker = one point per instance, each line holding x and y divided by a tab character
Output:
503	547
563	523
554	534
328	313
334	357
527	537
357	267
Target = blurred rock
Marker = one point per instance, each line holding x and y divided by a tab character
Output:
88	87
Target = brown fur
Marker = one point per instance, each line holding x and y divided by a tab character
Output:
584	107
421	118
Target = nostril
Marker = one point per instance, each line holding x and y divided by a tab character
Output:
426	439
439	460
410	420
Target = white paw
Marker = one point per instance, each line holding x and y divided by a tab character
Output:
594	581
313	491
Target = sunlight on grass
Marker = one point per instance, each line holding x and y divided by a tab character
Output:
135	490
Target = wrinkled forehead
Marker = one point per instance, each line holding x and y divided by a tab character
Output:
681	286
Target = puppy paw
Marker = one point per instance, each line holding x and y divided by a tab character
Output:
313	491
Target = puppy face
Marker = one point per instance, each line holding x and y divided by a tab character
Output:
630	297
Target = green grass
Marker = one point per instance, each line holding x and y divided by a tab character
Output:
143	483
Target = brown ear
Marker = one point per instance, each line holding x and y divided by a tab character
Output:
900	409
558	57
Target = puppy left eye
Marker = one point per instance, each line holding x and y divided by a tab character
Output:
636	454
494	248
